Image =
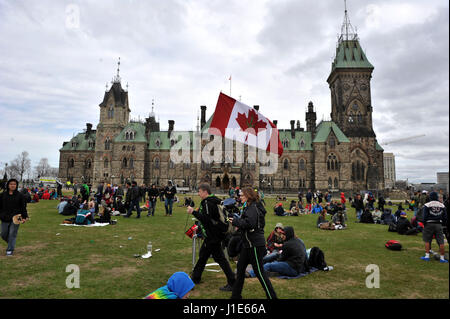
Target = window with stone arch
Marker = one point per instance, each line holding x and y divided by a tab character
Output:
156	162
71	162
332	162
332	142
286	163
124	162
285	143
330	182
157	143
106	163
355	113
336	183
107	144
131	164
302	144
301	164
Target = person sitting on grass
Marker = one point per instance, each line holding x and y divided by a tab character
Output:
178	286
322	219
404	226
387	217
292	259
279	210
317	209
84	216
61	205
339	220
35	198
274	243
376	215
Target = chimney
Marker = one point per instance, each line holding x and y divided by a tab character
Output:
292	128
298	125
256	107
88	130
171	123
275	122
203	116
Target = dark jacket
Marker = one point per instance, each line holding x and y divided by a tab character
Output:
208	215
293	251
11	205
251	225
153	193
359	204
132	194
170	192
434	211
403	225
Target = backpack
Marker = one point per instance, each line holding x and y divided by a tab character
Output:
223	225
393	245
317	259
366	217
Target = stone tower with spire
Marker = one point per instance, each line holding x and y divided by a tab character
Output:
351	107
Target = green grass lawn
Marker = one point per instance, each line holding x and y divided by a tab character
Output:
108	268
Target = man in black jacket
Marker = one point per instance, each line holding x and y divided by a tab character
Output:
153	194
133	198
359	206
169	193
208	215
12	203
292	261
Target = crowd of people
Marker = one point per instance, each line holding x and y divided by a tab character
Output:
235	225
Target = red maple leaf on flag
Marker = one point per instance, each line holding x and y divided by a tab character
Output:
251	124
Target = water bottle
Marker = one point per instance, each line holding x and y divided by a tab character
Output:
149	247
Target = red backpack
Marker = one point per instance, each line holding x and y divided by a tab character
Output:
393	245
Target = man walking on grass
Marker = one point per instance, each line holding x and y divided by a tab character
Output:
434	216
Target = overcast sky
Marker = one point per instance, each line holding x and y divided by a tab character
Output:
57	56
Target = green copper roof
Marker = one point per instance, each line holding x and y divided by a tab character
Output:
349	54
295	144
160	140
378	147
80	143
323	130
138	129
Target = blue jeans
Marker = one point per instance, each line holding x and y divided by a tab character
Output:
168	204
270	257
151	207
280	267
359	213
9	234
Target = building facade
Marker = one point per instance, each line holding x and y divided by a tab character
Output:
389	170
337	155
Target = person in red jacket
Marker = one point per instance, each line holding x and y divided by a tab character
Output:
343	199
46	195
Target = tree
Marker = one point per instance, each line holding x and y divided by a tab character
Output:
20	165
43	168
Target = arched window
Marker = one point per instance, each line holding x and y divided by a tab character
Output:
156	162
218	181
131	162
302	144
332	142
358	171
127	136
286	164
363	169
124	148
336	183
301	164
111	112
353	172
157	143
107	144
106	163
124	163
88	163
332	162
71	163
330	182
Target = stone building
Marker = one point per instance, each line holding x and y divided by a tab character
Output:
337	155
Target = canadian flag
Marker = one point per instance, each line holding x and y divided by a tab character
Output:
237	121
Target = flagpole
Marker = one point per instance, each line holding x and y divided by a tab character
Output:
230	85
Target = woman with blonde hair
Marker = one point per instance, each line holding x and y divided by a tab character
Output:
251	226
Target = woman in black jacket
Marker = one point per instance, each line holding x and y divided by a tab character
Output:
251	226
12	203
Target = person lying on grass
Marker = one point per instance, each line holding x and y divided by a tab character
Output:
178	286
